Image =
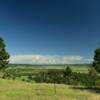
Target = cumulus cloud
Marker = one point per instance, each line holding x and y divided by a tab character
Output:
47	59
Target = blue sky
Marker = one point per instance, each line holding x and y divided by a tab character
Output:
50	29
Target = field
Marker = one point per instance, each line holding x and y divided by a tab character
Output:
15	90
24	90
27	69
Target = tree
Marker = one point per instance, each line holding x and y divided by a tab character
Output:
96	63
93	76
67	71
92	72
4	56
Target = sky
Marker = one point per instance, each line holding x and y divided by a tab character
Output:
50	31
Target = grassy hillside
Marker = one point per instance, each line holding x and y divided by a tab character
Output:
17	90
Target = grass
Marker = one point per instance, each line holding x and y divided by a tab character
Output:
17	90
80	69
22	69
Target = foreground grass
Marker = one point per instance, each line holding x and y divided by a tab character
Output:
15	90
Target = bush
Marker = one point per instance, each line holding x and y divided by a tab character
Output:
97	83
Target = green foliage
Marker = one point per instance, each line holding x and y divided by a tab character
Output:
92	73
93	76
4	56
59	76
11	74
70	78
97	83
96	63
67	71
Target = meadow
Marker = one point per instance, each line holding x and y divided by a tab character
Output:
25	69
24	90
15	90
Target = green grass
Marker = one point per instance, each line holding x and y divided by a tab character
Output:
80	69
28	69
17	90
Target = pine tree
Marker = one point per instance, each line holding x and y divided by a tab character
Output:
96	63
4	56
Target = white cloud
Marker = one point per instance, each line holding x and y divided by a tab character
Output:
47	59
